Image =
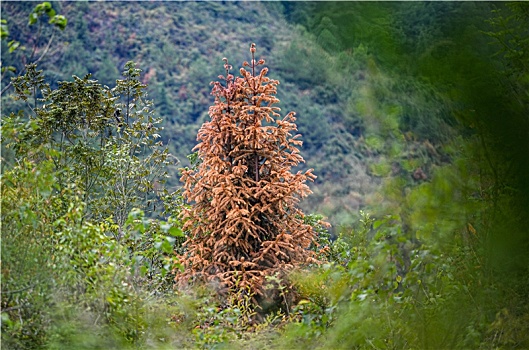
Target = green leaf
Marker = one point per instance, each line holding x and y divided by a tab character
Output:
377	224
176	232
167	247
4	32
134	214
13	45
50	12
60	21
5	319
33	17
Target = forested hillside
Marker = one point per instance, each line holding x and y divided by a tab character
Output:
180	45
413	117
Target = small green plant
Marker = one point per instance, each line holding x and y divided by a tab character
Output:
222	322
152	244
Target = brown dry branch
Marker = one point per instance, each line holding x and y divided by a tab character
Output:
243	222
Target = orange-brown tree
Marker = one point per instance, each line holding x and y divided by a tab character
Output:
243	222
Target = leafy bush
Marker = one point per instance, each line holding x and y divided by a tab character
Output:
76	166
384	289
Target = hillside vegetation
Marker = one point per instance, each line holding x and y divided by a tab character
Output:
180	45
413	118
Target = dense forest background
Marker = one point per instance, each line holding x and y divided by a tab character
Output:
414	116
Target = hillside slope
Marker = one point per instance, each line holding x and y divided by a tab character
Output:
180	46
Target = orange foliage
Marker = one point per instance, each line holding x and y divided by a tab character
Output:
243	222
